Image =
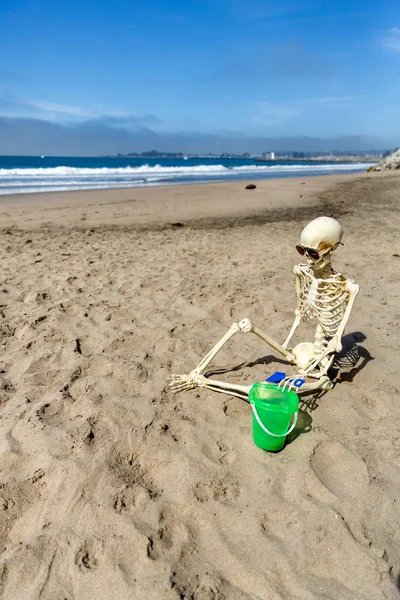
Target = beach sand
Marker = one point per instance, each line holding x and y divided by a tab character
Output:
114	488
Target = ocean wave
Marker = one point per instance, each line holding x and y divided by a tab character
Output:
27	180
191	170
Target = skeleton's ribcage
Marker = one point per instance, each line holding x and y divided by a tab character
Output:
326	305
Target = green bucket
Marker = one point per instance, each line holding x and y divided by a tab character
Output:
273	409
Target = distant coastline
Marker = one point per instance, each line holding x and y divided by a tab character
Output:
372	156
327	159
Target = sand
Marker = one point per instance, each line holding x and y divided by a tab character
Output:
114	488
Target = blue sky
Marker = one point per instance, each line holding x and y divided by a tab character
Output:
229	68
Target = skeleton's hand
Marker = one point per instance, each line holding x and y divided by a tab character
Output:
179	383
335	344
245	325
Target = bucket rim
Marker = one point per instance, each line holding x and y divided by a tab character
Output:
269	385
290	407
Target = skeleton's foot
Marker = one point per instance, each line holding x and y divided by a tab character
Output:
180	383
324	383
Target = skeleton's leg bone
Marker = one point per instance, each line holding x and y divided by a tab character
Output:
234	328
246	326
179	383
324	383
271	342
240	391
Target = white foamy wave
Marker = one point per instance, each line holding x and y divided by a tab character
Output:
159	169
107	172
16	181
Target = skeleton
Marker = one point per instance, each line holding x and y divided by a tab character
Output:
323	295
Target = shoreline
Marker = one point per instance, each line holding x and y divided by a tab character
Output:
167	204
163	180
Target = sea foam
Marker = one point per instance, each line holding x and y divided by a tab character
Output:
27	180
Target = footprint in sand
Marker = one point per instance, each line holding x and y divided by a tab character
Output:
376	404
6	390
125	500
225	490
6	330
219	453
87	556
233	407
172	540
160	543
42	297
203	586
343	473
226	455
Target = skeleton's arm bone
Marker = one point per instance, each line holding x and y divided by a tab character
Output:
296	322
335	344
295	325
297	276
353	289
323	371
329	350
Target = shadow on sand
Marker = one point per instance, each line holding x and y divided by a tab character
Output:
351	360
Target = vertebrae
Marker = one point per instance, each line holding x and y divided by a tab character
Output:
324	300
320	341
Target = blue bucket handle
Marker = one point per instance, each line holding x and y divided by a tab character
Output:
261	424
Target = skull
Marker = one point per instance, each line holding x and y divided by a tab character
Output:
318	239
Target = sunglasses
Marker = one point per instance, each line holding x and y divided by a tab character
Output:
314	254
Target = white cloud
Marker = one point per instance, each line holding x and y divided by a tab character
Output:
50	109
54	112
53	107
274	113
76	111
392	39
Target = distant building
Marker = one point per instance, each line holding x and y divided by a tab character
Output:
269	155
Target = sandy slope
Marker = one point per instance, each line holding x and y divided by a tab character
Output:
113	488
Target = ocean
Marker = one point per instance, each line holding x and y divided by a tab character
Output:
28	174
